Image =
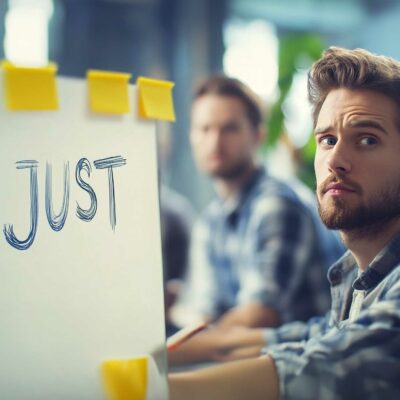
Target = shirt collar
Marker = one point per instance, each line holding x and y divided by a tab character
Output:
387	259
381	265
341	268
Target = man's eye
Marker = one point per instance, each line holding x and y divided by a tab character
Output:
368	141
231	128
328	141
203	129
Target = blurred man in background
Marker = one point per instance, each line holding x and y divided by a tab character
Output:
259	255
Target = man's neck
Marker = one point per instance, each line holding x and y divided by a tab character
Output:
228	188
366	243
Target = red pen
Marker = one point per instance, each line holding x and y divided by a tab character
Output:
184	334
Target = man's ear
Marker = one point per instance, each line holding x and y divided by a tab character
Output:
261	134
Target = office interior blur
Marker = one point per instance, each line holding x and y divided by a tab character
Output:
267	44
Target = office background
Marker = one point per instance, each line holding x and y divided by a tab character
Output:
187	40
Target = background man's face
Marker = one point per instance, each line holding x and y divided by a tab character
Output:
357	162
223	140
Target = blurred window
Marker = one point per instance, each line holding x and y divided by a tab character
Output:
26	39
252	55
298	122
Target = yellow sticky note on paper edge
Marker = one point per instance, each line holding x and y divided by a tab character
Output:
125	379
155	99
30	88
108	91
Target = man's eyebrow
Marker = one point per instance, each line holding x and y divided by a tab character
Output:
359	123
367	123
324	129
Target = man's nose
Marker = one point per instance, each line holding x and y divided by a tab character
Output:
339	159
216	138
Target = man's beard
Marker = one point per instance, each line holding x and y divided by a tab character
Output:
233	172
366	218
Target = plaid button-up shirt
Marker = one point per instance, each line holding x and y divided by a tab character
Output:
354	351
267	246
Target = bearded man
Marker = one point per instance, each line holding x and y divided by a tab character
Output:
353	352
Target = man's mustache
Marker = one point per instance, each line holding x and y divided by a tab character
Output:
339	180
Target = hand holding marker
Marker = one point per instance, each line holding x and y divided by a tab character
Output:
184	334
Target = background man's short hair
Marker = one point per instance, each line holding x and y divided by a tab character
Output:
222	85
352	69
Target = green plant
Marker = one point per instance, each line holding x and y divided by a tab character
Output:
296	51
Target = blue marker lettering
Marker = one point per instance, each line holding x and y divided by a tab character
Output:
85	215
56	221
110	163
8	228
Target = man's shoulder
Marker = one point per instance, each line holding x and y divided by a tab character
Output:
291	190
208	216
175	207
210	211
275	195
391	283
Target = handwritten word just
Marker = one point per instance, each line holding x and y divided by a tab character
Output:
57	221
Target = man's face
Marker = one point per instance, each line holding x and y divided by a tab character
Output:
357	162
223	139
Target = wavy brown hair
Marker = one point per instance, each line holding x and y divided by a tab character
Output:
352	69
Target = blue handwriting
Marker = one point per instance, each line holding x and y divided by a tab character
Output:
57	221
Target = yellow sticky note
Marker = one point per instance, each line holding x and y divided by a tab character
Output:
29	88
108	92
155	99
125	379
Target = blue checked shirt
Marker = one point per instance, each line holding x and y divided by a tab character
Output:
354	351
266	246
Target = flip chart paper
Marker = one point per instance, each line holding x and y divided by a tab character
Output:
87	285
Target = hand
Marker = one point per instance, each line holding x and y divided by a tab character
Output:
237	342
254	379
219	344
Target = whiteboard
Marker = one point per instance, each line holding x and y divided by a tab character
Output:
88	288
